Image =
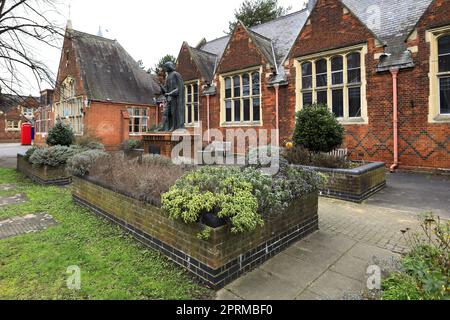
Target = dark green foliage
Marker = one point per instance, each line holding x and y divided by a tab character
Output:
255	12
60	135
158	68
318	130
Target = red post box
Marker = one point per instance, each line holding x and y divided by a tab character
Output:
26	134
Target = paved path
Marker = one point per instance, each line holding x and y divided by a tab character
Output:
415	192
24	225
8	154
332	263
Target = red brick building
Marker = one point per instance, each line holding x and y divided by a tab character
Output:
382	66
101	90
14	111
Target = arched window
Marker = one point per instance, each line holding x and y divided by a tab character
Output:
444	74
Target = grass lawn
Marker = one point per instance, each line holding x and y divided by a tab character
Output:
113	265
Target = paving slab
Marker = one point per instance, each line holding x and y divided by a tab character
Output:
15	199
24	225
352	267
226	295
260	285
335	286
308	295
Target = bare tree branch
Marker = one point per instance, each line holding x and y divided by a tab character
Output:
26	27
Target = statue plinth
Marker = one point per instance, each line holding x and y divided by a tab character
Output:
162	143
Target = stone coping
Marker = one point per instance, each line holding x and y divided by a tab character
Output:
355	171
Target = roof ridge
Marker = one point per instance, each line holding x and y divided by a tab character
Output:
94	36
280	18
262	24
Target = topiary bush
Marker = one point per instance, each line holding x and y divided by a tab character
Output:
60	135
81	163
318	130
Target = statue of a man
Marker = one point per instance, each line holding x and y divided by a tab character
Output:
173	90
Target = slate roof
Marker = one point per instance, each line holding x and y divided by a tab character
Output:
398	19
10	101
205	61
275	39
109	73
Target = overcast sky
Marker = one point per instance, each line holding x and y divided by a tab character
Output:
150	29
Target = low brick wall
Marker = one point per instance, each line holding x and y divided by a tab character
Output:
43	175
355	185
217	261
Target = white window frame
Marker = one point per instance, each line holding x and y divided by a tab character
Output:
251	97
190	107
329	55
12	128
140	116
434	104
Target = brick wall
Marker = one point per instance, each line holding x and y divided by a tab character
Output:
6	135
216	261
44	175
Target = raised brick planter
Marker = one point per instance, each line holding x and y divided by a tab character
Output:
43	175
355	185
217	261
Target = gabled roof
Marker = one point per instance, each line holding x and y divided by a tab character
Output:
397	19
109	73
205	61
274	38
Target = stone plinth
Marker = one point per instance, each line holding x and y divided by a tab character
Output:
163	143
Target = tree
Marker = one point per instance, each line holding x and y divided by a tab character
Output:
255	12
158	68
318	130
60	135
25	25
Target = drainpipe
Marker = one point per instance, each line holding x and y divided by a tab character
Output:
394	72
207	118
277	114
157	114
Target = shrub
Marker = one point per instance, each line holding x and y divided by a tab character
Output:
244	196
144	180
426	269
130	145
60	135
318	130
29	153
155	160
301	156
90	141
223	191
52	156
81	163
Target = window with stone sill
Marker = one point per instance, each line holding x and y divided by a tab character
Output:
444	74
12	125
242	99
335	81
139	120
192	103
